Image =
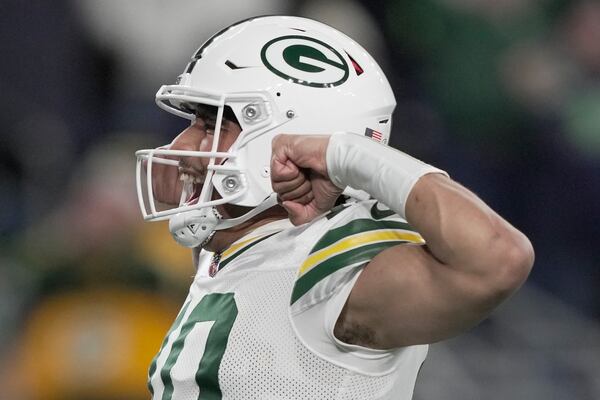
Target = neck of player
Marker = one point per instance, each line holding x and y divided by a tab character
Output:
226	237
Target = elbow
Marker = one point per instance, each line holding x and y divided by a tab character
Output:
513	265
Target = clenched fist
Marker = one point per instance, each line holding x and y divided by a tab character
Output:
299	176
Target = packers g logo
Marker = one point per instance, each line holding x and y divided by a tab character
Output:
305	61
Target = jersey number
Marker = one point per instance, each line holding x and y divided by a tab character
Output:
219	308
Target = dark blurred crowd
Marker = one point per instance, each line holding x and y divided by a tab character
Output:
503	94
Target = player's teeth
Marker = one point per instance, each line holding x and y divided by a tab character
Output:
189	178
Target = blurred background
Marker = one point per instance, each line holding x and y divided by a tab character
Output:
503	94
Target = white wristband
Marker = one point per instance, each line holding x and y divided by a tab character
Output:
385	173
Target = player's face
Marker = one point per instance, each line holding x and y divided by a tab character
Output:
199	136
168	182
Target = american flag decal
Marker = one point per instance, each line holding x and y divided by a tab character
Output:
377	136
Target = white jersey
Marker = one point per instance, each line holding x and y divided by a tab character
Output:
262	327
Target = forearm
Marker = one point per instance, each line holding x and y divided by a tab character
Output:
385	173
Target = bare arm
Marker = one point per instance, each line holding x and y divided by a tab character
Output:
473	261
407	294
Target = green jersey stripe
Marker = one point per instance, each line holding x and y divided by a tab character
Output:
336	210
337	262
223	263
357	226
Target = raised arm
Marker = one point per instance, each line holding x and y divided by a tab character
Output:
473	260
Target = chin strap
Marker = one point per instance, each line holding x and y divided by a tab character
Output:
197	227
265	205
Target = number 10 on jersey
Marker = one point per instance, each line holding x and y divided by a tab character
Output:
219	308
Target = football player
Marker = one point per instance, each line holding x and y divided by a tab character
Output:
334	259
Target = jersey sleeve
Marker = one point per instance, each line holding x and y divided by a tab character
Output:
350	239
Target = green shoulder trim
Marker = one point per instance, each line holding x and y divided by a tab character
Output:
336	210
226	260
357	226
357	241
335	263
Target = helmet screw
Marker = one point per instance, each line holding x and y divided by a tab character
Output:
290	114
250	111
230	183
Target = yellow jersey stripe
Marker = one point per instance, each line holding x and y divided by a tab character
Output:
238	246
358	240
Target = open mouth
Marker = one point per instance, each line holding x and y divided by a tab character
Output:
192	187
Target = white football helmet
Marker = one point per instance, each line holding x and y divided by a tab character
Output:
278	74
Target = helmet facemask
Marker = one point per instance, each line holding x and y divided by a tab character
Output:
226	178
